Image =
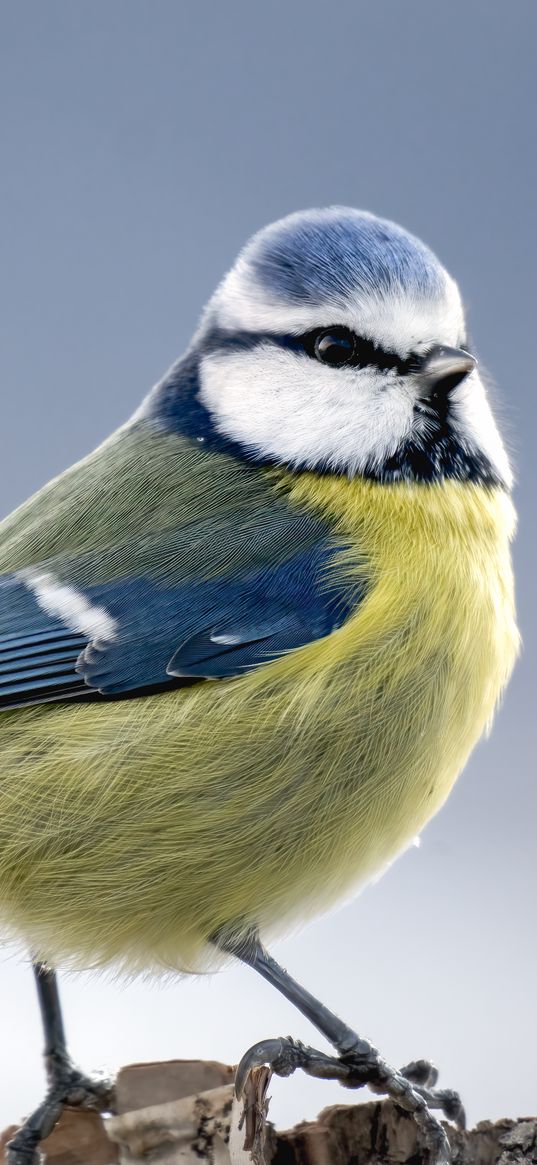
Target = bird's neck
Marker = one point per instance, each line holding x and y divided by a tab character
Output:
393	520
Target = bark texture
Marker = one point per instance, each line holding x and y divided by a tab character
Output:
184	1113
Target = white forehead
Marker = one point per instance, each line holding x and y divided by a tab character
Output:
340	266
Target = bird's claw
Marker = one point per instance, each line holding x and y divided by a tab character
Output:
424	1076
449	1103
421	1072
412	1088
282	1055
84	1092
68	1087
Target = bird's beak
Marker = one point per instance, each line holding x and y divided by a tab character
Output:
443	369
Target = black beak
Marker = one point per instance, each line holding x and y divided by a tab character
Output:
442	370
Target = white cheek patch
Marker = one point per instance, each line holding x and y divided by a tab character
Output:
69	604
293	409
473	423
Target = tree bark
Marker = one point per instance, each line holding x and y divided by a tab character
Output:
184	1113
380	1134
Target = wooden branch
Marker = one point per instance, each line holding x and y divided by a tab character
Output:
380	1134
184	1113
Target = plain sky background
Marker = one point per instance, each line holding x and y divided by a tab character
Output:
142	141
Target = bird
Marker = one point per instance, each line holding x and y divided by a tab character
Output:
248	644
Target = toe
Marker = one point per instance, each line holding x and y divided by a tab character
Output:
265	1052
421	1072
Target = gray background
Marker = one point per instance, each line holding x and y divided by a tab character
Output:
142	142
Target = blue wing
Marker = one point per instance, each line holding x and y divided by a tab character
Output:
37	653
61	641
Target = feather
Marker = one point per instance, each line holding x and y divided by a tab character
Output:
138	612
375	592
132	830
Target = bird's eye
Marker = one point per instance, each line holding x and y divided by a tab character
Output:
335	346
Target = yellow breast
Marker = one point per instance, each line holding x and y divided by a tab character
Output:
419	669
133	830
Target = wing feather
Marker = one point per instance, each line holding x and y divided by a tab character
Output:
192	565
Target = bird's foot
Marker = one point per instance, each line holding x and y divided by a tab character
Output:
68	1087
412	1088
423	1076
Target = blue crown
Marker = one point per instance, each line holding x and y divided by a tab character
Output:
316	255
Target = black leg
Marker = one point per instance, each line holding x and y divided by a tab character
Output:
358	1062
51	1014
66	1084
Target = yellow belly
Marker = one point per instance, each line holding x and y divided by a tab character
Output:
131	831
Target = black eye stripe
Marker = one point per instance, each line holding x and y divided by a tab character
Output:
365	353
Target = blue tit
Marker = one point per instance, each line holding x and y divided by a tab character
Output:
311	508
